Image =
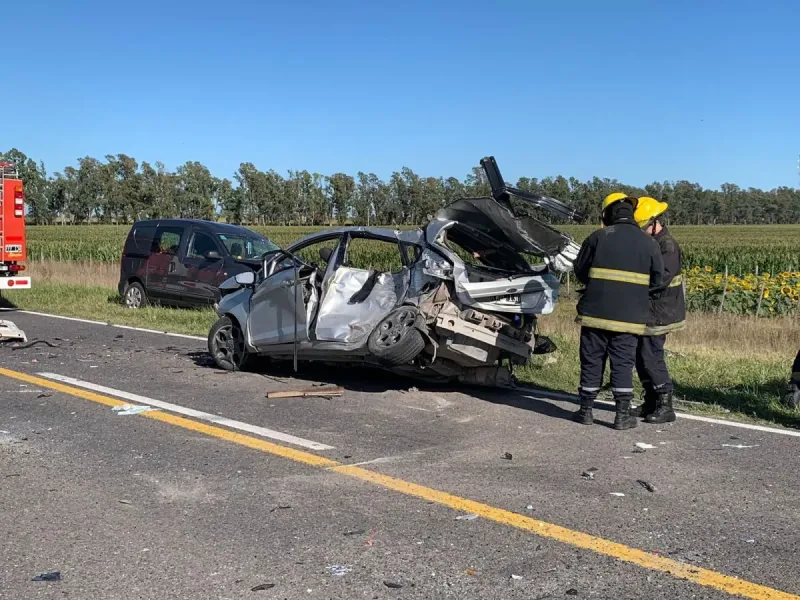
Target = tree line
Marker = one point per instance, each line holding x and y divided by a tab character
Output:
119	189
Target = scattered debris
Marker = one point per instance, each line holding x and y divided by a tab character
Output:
356	532
508	456
748	540
124	501
639	450
339	570
48	576
529	507
618	494
392	585
517	577
318	392
34	343
284	507
644	446
470	572
13	475
572	592
132	409
45	395
413	390
262	587
739	446
466	517
589	473
646	485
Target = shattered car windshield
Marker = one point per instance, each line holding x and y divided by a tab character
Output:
243	247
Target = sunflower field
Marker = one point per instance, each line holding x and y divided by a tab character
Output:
779	294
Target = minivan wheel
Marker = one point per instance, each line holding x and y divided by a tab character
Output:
395	341
226	345
134	296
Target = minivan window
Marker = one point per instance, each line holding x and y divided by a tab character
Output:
169	240
140	240
201	244
245	247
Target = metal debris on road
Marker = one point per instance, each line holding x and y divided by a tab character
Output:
124	501
316	392
356	532
739	446
44	395
471	517
646	485
339	570
572	592
517	577
618	494
284	507
644	446
508	456
132	409
529	507
262	587
749	541
34	343
589	473
392	585
48	576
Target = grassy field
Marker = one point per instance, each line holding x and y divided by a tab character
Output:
727	362
742	249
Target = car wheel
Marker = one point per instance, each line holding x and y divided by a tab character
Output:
395	341
134	296
226	345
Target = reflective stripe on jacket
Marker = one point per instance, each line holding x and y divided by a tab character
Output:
667	302
619	265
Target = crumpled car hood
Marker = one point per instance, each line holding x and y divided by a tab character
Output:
485	223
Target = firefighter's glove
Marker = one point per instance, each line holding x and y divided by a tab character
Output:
562	261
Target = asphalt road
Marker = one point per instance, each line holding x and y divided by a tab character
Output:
163	505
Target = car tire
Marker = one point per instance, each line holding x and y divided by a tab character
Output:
134	296
226	345
395	341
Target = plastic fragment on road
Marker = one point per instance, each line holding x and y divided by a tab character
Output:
618	494
392	585
516	577
507	456
739	446
644	446
339	570
9	331
48	576
529	507
589	473
132	409
262	587
646	485
471	517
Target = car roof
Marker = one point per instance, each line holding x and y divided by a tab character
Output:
209	226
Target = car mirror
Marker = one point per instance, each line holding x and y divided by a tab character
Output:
246	278
212	255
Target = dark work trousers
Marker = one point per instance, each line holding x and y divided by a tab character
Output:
597	345
796	368
650	364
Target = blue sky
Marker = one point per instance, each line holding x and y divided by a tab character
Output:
638	90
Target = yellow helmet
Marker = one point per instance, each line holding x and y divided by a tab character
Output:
616	197
647	210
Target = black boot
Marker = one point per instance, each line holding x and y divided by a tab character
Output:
792	397
624	419
648	407
584	414
664	412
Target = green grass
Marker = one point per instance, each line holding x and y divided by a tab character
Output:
722	378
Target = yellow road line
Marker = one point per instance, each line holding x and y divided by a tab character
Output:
577	539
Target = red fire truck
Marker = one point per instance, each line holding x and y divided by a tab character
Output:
12	230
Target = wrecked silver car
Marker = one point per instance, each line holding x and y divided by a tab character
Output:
457	300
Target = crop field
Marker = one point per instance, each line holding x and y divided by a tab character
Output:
743	249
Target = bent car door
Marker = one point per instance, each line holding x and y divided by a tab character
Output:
278	306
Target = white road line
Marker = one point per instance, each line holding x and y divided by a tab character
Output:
550	396
680	415
190	412
128	327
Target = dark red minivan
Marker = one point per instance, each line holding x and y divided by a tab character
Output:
182	262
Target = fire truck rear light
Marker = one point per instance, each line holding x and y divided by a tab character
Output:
18	212
19	201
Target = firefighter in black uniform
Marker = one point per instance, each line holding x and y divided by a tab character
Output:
618	264
667	314
792	398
